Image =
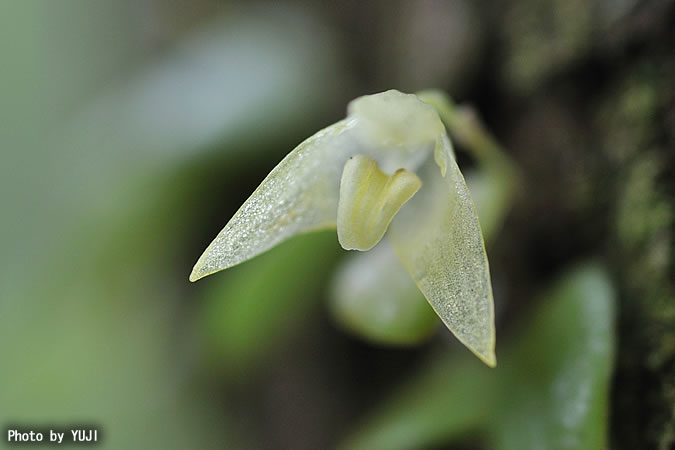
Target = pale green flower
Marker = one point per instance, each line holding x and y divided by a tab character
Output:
389	164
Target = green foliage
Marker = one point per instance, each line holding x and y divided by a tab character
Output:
99	148
250	310
550	392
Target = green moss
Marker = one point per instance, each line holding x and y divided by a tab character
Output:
543	37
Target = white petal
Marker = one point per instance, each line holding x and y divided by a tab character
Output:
492	199
439	240
369	199
300	194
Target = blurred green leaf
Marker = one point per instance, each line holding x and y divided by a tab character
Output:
551	390
556	377
250	309
450	397
102	151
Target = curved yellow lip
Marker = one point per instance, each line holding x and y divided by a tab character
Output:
369	199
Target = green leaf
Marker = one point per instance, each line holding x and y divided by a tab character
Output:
252	308
449	398
550	392
556	382
106	154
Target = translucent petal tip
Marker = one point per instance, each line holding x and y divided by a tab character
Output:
489	358
194	275
200	270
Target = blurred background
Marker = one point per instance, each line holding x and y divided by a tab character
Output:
131	131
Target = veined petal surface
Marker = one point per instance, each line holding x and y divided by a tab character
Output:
438	238
300	194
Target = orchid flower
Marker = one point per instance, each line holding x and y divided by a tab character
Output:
389	166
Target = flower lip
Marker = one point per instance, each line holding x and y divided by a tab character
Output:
369	199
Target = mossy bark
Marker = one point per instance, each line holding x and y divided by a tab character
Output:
593	127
